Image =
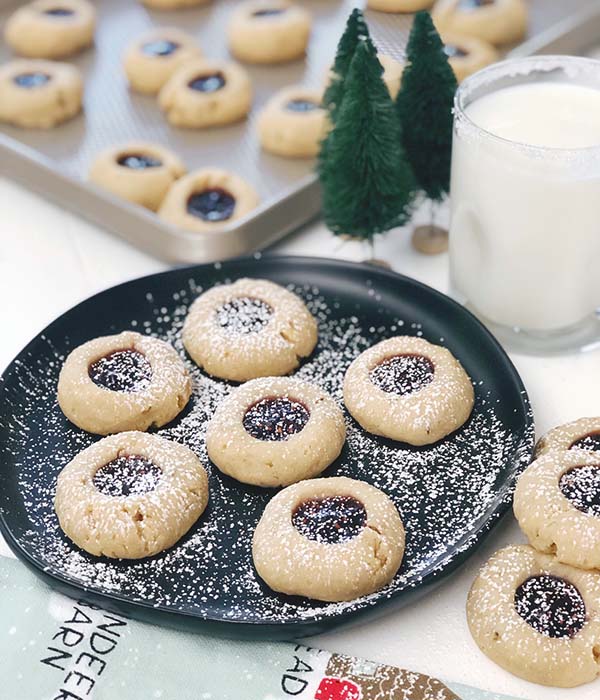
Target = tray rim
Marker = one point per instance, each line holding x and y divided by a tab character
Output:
286	629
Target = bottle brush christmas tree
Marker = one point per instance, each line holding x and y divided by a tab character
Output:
424	106
366	180
356	29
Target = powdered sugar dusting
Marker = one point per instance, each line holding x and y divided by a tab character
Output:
445	493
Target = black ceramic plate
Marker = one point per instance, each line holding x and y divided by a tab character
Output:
449	494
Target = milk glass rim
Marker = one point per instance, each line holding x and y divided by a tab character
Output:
523	66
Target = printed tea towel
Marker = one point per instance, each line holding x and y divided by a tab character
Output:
56	648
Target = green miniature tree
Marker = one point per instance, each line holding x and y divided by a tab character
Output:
367	183
424	105
356	29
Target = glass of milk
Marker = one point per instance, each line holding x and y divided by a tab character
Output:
525	199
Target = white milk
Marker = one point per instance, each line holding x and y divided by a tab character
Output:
525	232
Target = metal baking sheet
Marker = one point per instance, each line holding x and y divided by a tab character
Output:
575	35
55	162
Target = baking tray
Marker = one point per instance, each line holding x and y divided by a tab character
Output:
55	163
575	35
449	494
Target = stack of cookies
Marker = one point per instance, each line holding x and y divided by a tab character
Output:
133	494
535	609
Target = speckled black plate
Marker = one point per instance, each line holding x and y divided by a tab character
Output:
449	494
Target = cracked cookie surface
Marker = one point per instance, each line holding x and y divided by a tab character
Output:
537	618
580	434
251	328
332	539
269	31
275	431
51	28
123	382
130	495
557	504
36	94
407	389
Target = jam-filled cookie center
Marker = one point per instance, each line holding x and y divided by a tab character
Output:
275	419
244	315
551	605
138	161
212	205
269	12
210	82
330	520
581	486
474	4
59	12
590	442
127	371
160	47
31	79
403	374
131	475
453	51
301	105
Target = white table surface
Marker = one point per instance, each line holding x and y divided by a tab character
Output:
50	260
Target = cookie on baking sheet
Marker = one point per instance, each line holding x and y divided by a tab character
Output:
269	31
206	200
557	504
39	94
204	93
130	495
495	21
467	54
51	28
399	6
536	617
392	73
407	389
251	328
123	382
292	123
153	57
139	172
275	431
173	4
329	539
581	434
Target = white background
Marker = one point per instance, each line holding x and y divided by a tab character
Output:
50	260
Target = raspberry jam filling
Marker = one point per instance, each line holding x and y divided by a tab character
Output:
31	80
330	520
160	47
211	205
300	105
59	12
138	161
474	4
453	51
403	374
269	12
581	486
275	419
551	605
127	371
244	315
590	442
207	83
132	475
